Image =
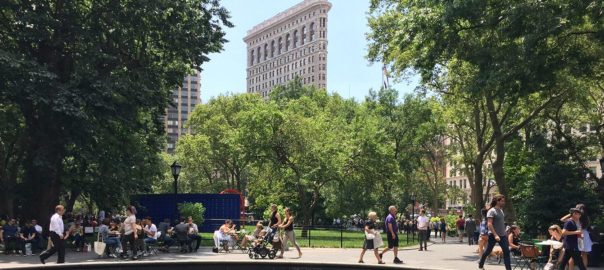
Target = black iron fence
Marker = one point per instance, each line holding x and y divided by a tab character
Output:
334	236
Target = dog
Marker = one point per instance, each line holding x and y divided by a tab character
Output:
496	253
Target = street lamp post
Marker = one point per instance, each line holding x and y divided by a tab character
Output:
413	198
175	172
602	166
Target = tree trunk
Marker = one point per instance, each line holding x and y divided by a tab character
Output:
477	191
498	172
6	202
510	214
43	166
73	197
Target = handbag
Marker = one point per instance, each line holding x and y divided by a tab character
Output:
99	246
369	235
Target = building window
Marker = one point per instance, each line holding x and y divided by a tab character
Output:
303	39
272	48
258	55
252	58
265	51
312	31
279	45
287	42
295	38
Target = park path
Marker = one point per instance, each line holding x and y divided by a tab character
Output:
439	256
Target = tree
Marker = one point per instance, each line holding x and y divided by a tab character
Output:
518	50
541	165
11	155
78	68
223	131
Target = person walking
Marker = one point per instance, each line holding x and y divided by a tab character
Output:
583	225
460	225
288	226
443	230
436	225
470	229
130	233
370	236
423	222
274	223
392	234
57	235
484	232
572	234
496	226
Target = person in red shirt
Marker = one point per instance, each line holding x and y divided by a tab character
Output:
460	224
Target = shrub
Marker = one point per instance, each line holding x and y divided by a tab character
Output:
194	210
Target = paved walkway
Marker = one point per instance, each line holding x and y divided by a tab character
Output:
439	256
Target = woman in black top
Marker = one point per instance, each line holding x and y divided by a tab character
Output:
514	239
289	231
370	236
274	223
275	220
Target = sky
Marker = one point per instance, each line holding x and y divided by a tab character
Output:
349	73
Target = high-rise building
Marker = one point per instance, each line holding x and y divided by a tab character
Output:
184	100
291	43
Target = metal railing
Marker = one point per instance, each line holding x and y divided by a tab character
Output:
327	235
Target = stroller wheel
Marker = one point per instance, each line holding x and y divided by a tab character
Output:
263	255
256	256
272	254
250	253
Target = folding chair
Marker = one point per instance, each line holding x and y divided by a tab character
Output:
530	257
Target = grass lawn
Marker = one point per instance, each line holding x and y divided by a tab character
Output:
327	238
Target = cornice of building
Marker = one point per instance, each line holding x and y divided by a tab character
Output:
284	15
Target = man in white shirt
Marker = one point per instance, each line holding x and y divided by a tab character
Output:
57	235
194	233
150	231
422	226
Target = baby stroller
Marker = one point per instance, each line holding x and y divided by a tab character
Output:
261	250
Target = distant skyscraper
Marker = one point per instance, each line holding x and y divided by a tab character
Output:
185	99
292	43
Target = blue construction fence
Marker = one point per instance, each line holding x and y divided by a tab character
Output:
161	206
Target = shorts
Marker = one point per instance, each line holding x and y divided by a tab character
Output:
392	242
368	244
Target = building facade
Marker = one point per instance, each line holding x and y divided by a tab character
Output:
291	44
184	100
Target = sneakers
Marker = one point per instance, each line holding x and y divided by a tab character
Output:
381	255
397	261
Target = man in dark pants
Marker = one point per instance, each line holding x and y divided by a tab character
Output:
571	241
57	235
392	234
496	226
194	233
470	229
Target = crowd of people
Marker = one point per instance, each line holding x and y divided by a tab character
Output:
127	233
568	246
282	228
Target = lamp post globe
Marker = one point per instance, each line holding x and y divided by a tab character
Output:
175	169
